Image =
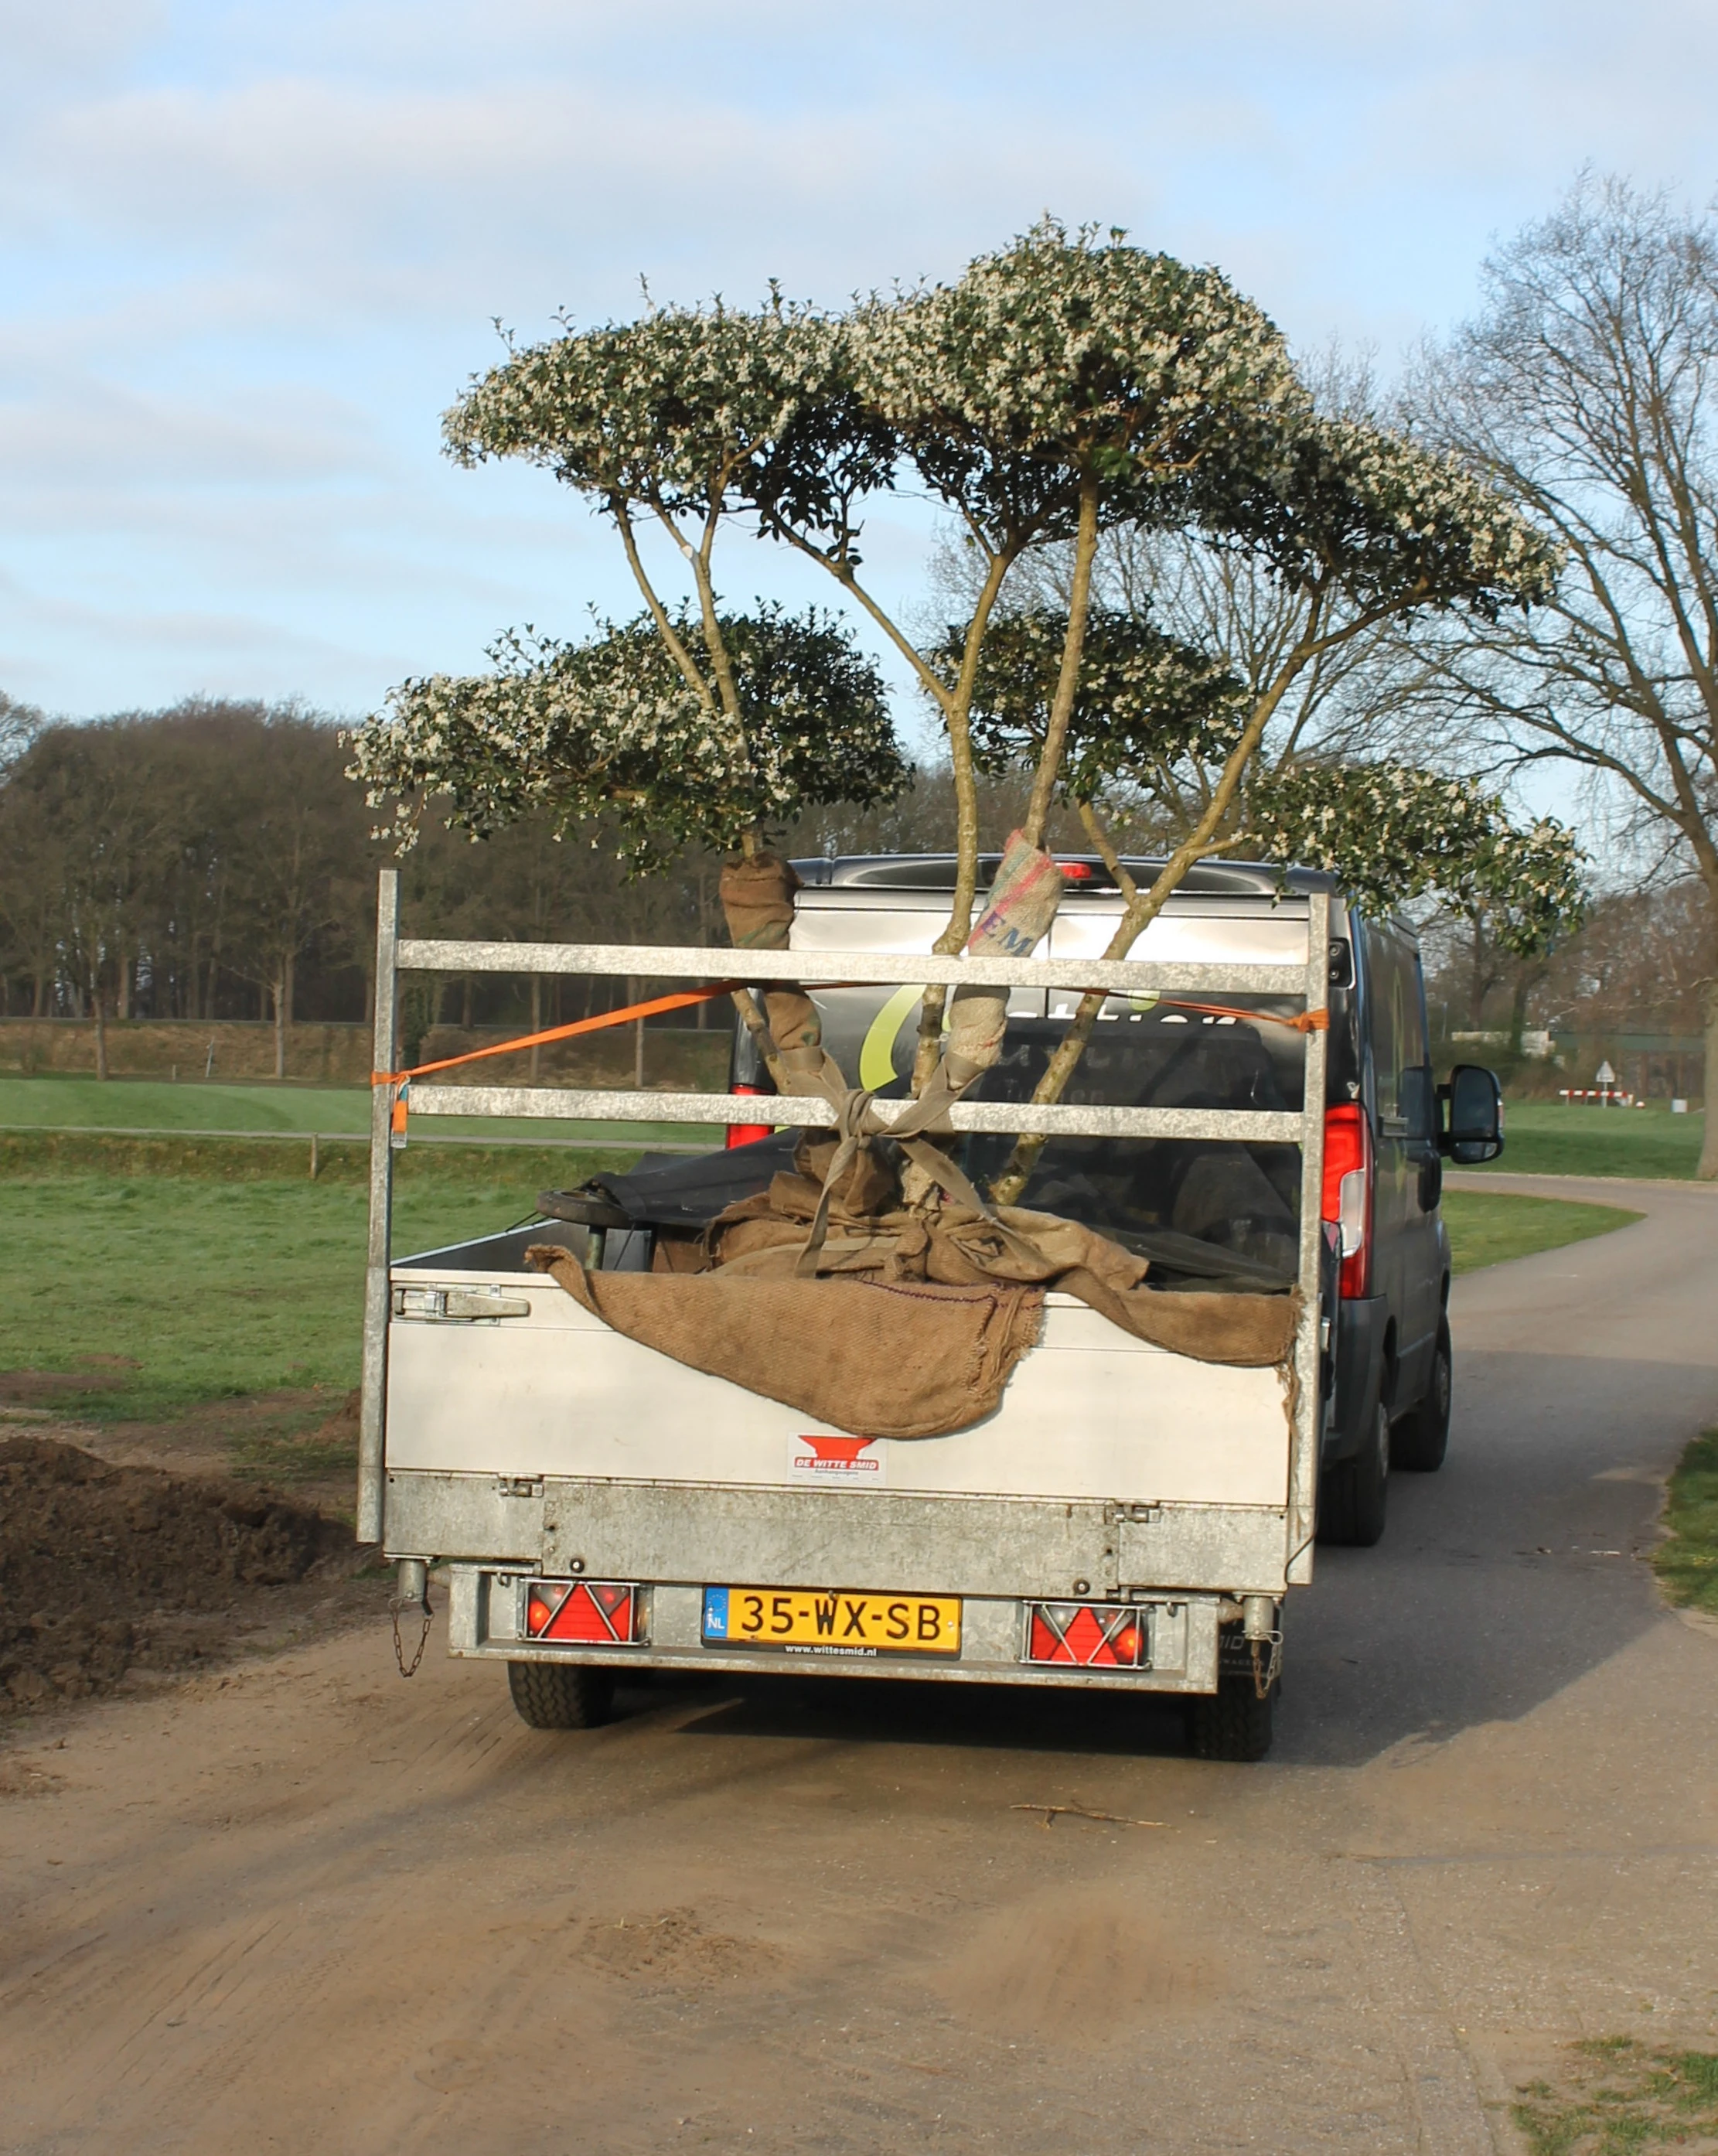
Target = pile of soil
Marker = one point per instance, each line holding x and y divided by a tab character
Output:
106	1570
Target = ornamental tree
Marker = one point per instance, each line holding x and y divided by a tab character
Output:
1065	387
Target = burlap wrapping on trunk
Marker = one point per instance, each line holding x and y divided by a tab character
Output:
758	904
881	1359
1013	921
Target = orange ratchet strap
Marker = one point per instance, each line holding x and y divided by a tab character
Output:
1311	1021
403	1079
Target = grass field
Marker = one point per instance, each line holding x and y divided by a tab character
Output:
1488	1227
153	1104
179	1290
1549	1137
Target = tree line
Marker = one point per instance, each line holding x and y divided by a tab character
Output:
214	861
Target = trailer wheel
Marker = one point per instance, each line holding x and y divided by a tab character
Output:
1352	1495
1232	1722
561	1694
1421	1438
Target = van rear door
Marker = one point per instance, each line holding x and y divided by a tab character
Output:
1407	1260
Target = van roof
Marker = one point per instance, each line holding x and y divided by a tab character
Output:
1084	872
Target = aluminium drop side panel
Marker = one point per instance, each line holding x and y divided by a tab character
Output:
1091	1413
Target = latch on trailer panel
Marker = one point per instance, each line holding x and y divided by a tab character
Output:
462	1304
519	1486
1143	1516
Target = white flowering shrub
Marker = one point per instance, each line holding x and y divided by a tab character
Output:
1393	526
1392	834
612	728
1067	354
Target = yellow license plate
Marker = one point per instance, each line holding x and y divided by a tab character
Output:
802	1620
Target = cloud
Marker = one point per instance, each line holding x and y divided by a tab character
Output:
251	253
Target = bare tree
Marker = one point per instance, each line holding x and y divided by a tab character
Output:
1587	387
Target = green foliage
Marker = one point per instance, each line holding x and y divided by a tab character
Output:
1686	1561
1393	833
612	729
686	412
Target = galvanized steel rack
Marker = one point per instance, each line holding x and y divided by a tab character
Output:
1308	984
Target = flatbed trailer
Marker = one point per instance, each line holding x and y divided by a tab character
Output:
1128	1518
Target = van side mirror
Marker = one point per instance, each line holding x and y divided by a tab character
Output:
1470	1115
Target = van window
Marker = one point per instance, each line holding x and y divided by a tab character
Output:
1396	1028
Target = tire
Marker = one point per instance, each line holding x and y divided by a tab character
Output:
1353	1495
1421	1438
561	1694
1233	1724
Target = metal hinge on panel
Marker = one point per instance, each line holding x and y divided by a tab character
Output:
1140	1515
462	1304
519	1486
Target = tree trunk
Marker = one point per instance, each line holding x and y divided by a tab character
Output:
1708	1169
536	1023
465	1004
96	1004
278	991
124	1008
1525	982
39	1001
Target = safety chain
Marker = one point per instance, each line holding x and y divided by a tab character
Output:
1265	1673
398	1609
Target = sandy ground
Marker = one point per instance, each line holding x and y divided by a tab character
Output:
302	1905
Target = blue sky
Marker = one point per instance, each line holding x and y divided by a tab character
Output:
251	252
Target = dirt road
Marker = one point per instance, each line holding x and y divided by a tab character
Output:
304	1906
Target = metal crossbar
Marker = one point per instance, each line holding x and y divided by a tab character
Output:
1304	981
798	1112
696	962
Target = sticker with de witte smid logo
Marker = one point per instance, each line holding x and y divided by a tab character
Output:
839	1463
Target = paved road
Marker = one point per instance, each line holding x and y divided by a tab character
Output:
304	1906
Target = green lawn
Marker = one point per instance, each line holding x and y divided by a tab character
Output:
204	1289
1687	1560
154	1104
1550	1137
1488	1227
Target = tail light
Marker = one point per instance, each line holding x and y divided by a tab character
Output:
740	1134
1092	1635
1348	1192
597	1612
